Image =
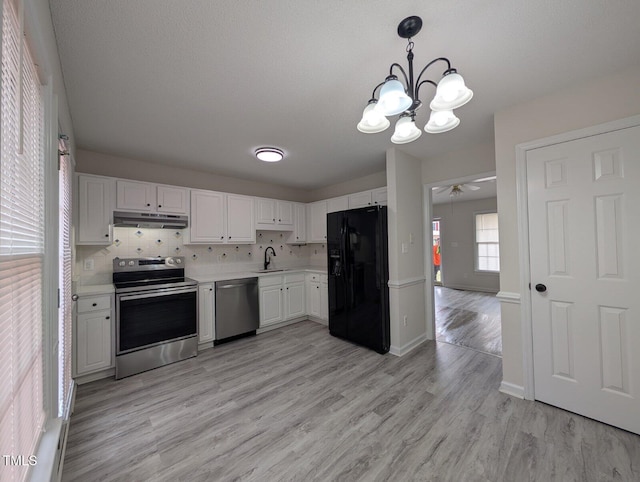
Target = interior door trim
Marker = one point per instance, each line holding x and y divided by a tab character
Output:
522	207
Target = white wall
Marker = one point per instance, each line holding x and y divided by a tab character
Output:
595	102
364	183
107	165
457	242
406	270
478	159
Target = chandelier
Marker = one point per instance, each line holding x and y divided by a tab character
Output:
404	99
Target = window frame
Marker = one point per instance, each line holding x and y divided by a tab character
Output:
476	254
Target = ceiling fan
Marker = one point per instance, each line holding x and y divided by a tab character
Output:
458	189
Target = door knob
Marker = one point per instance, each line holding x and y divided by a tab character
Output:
540	288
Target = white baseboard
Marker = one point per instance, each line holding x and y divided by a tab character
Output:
205	346
280	325
512	389
471	288
318	320
407	347
508	297
92	377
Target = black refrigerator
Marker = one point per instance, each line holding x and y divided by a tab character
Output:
358	271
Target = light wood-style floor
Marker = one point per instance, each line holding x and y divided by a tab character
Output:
468	318
297	404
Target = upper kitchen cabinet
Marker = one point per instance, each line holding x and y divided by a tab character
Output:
368	198
217	217
379	196
299	234
146	197
336	204
94	209
317	222
275	215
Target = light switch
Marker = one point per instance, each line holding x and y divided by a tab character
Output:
88	264
405	248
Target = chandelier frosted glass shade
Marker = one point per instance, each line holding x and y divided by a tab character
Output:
393	98
451	93
372	120
406	131
441	121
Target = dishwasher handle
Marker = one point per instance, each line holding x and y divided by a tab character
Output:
236	283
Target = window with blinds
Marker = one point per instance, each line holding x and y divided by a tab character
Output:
65	383
487	242
21	247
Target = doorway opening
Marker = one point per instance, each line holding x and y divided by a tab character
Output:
464	280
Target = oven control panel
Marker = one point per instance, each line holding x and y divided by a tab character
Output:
144	264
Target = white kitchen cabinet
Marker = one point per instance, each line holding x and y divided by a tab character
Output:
360	199
337	204
240	219
206	313
379	196
146	197
135	196
95	210
317	222
173	200
272	214
93	333
299	234
324	297
218	217
271	306
317	296
294	299
208	217
282	298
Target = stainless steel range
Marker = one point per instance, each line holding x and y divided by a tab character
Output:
156	313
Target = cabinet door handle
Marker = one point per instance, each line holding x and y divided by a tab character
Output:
221	237
74	297
159	205
107	317
274	220
148	204
106	235
94	304
279	220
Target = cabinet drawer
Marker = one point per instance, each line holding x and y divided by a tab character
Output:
270	280
94	303
294	278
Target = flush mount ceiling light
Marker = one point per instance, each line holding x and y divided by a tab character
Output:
398	98
269	154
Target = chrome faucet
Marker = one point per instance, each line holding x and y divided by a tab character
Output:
267	258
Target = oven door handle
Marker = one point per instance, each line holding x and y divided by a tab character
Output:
155	294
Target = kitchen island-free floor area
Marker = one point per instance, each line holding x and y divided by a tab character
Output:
298	404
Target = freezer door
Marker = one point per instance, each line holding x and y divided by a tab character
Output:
337	295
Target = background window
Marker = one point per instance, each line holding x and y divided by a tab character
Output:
487	242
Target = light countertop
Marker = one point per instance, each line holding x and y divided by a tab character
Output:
210	278
86	290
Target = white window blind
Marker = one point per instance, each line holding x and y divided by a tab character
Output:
66	305
21	247
487	242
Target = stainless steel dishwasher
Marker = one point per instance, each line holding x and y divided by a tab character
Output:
237	311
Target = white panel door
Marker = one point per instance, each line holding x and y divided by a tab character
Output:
584	227
317	222
173	200
270	305
135	196
208	217
93	341
294	300
206	312
95	210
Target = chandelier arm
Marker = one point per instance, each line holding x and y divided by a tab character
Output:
373	94
404	74
439	59
424	82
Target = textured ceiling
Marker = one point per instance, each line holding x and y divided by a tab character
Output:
201	83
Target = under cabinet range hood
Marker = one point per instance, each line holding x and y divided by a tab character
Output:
149	220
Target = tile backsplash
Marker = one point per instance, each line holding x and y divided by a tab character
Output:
94	263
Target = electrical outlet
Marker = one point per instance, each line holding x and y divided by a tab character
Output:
404	320
89	264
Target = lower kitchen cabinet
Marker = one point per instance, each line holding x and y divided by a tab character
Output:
206	313
317	296
282	298
94	328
